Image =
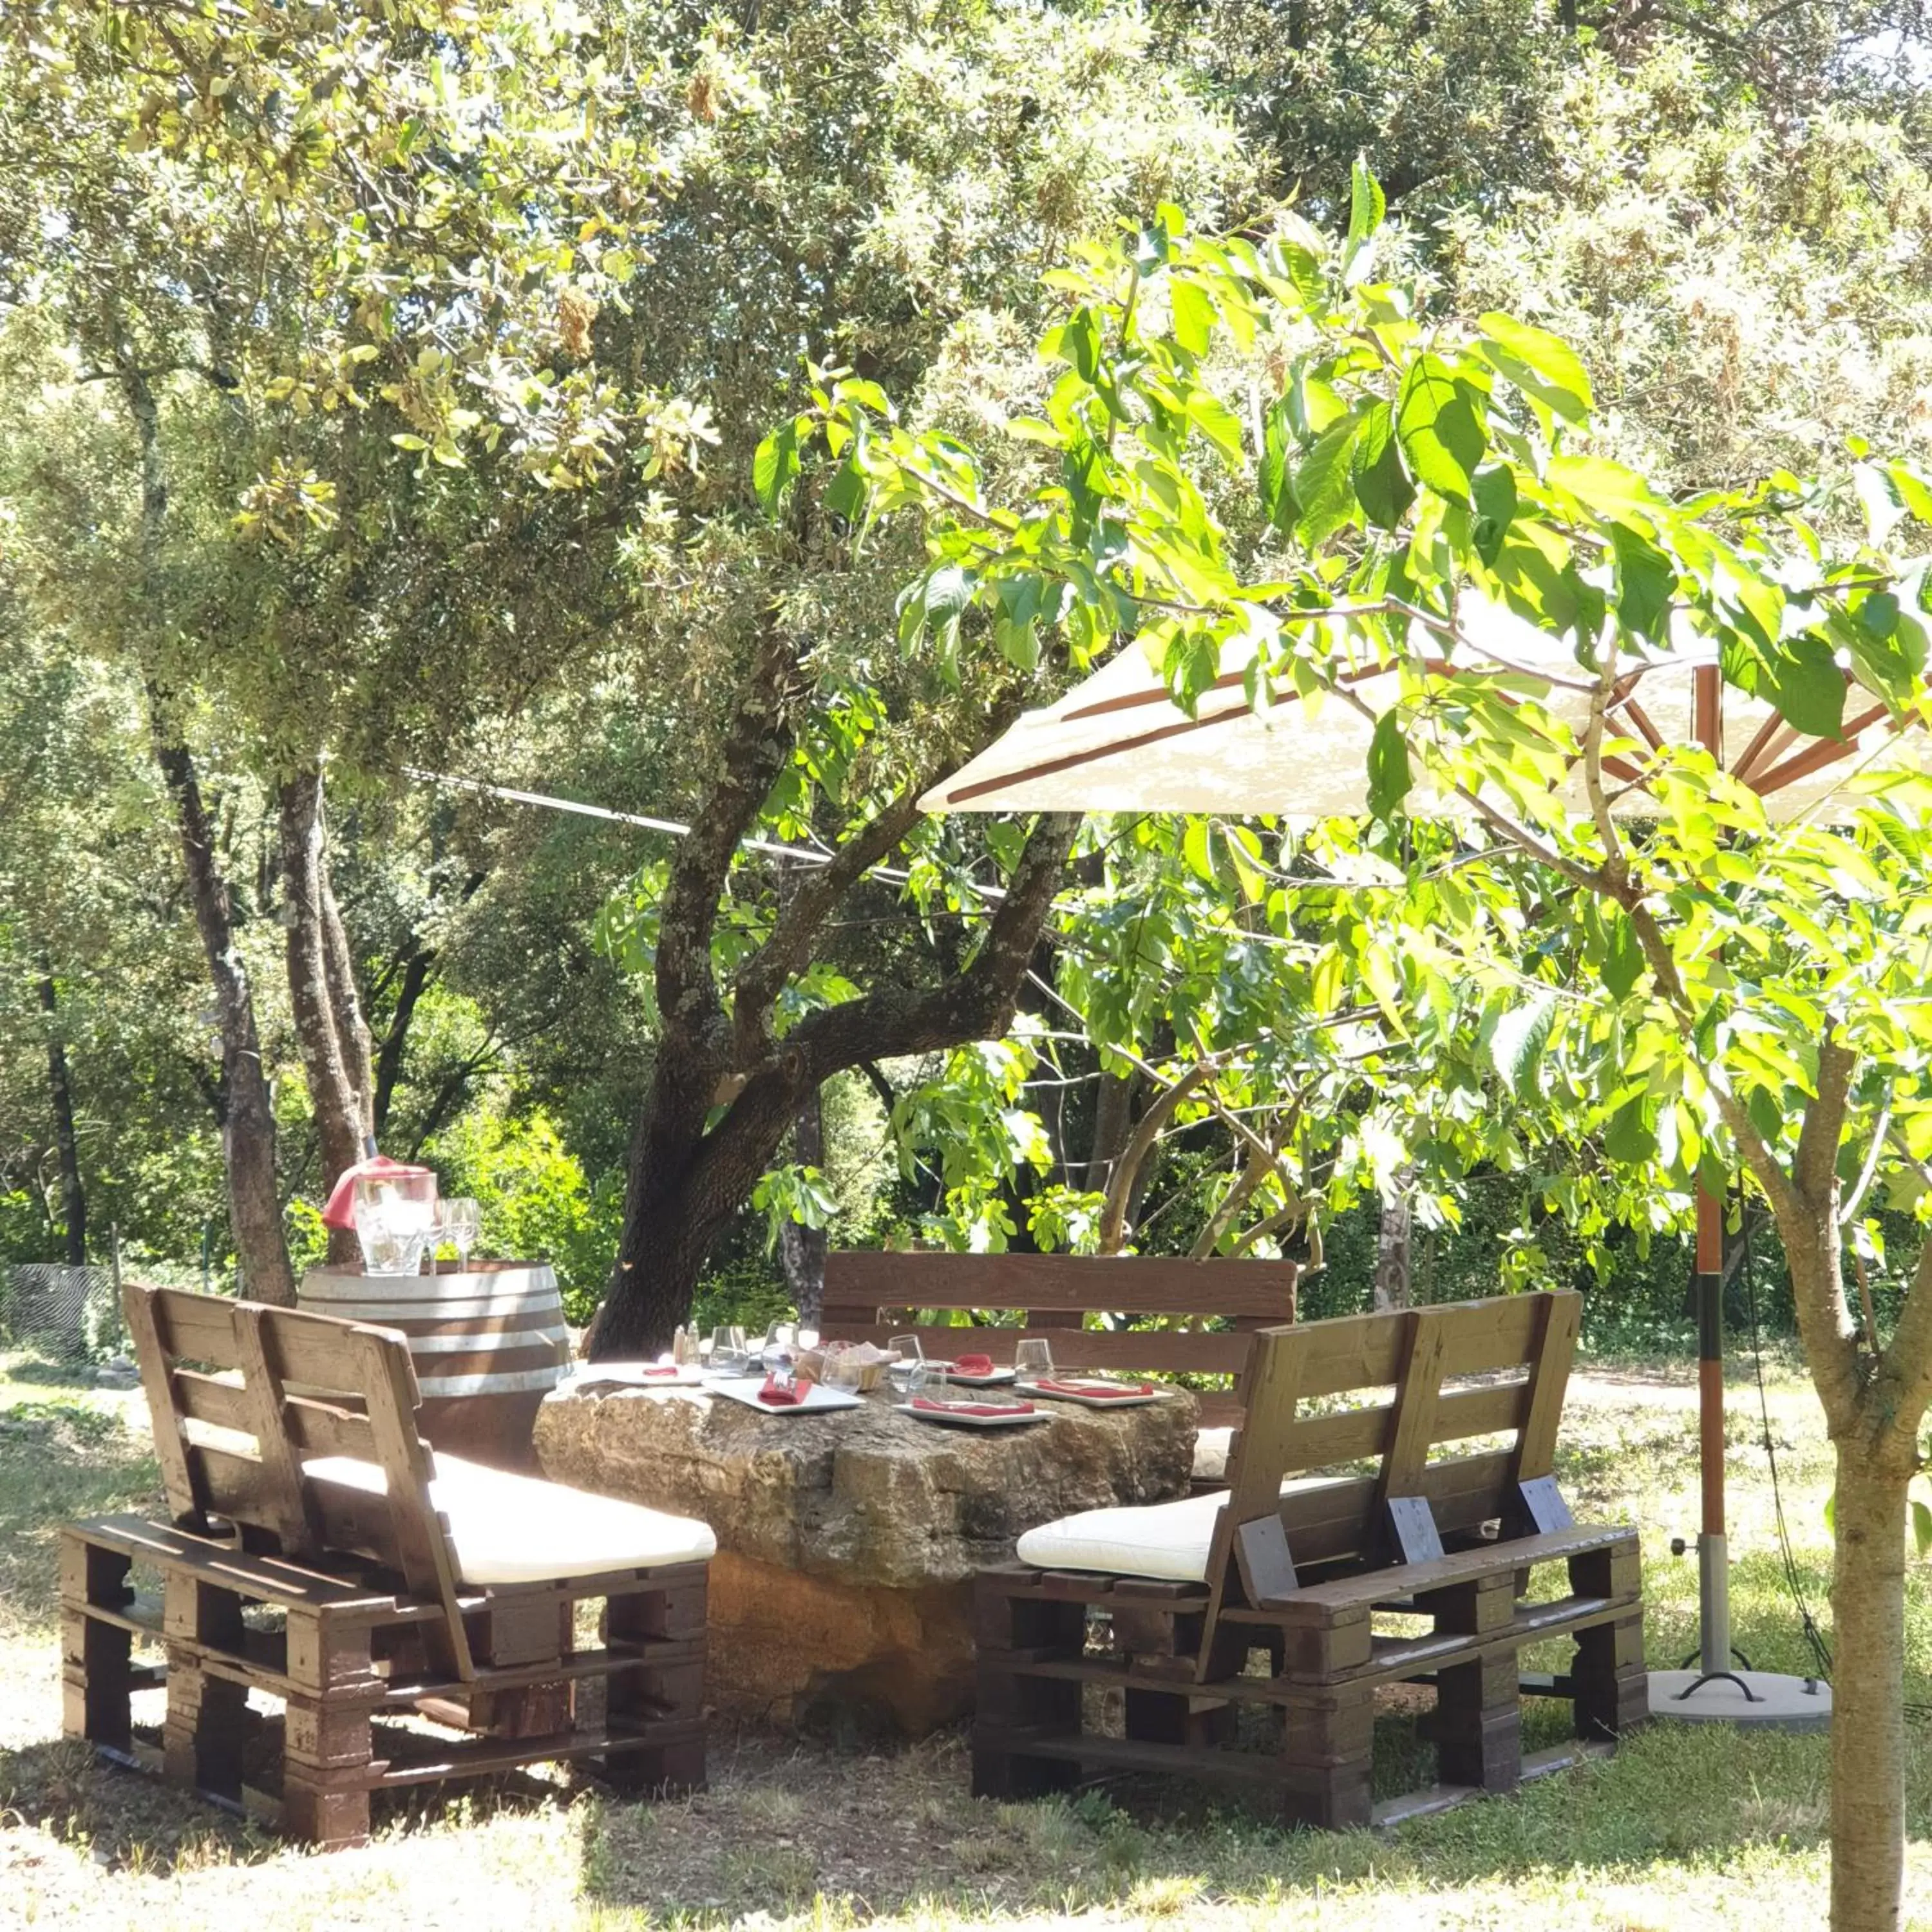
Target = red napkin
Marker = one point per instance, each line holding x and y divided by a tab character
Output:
972	1407
1102	1389
974	1365
666	1369
784	1398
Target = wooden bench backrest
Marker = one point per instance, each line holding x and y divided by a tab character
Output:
870	1296
308	1387
1520	1346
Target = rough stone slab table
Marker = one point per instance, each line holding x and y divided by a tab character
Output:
841	1597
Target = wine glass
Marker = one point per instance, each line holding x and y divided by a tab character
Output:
1032	1361
908	1371
462	1222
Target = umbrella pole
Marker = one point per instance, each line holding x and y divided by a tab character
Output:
1714	1691
1714	1592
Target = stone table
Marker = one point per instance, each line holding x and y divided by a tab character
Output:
842	1594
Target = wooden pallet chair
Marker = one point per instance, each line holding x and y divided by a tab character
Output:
320	1553
1266	1599
871	1295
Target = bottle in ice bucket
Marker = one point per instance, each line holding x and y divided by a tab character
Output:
395	1215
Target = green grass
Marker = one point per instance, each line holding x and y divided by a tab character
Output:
1683	1828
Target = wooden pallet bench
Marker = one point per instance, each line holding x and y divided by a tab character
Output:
1287	1619
870	1296
320	1556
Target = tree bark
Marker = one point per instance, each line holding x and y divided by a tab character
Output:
248	1130
1395	1250
1113	1123
60	1091
801	1249
1867	1691
416	971
334	1044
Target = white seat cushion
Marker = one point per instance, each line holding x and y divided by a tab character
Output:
520	1529
1166	1540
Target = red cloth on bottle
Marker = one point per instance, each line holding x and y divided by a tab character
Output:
340	1211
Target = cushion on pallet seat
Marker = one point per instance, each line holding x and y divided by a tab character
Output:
520	1529
1164	1540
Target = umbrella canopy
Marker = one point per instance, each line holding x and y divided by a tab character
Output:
1118	742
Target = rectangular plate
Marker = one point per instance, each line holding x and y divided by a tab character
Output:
1134	1401
1010	1420
998	1379
627	1375
818	1398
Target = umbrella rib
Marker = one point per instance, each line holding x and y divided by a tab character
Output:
1825	751
1759	745
1050	767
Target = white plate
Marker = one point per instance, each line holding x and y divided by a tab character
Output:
1006	1419
998	1379
630	1375
817	1398
1136	1400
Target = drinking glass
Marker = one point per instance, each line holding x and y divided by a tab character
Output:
779	1353
727	1349
1032	1361
462	1221
386	1250
909	1371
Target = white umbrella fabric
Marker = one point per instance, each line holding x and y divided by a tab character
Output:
1118	742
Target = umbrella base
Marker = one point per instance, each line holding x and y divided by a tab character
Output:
1763	1698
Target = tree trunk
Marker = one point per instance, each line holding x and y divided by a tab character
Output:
334	1046
1868	1691
1395	1251
801	1249
73	1197
1113	1123
685	1185
248	1129
416	971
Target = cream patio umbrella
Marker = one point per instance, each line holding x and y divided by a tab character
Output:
1118	742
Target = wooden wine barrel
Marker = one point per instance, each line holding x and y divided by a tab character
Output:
488	1345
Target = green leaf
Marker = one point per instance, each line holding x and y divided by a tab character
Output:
1495	495
1193	315
1382	486
1922	1529
1390	777
1644	580
1539	364
845	496
1217	422
1440	433
1516	1041
1324	499
1629	1137
1277	499
1367	204
1808	687
774	467
1623	956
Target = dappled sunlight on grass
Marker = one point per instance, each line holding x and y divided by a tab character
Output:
1683	1831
